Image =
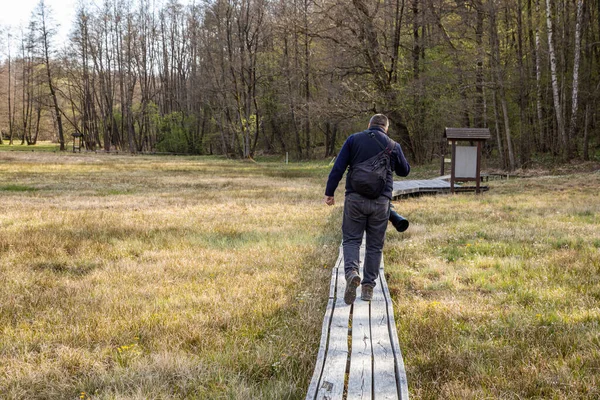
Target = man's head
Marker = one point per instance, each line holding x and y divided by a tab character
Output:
379	120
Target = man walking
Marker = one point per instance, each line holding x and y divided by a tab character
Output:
365	211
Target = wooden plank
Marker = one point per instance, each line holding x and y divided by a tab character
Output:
331	384
436	185
361	373
321	355
417	184
384	375
334	274
360	378
341	282
376	364
399	361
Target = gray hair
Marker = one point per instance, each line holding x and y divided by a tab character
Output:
379	120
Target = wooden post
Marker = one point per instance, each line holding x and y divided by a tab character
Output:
444	149
453	167
478	171
442	166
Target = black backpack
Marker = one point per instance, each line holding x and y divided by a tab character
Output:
368	178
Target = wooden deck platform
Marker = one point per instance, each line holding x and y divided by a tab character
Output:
359	353
436	185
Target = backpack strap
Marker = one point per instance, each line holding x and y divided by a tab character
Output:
390	143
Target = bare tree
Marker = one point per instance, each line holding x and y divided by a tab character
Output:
238	77
43	19
496	67
538	81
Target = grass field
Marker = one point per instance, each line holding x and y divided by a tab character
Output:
136	277
498	296
187	277
40	146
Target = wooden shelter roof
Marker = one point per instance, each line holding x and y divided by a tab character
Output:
467	133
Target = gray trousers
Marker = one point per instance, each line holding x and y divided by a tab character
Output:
364	215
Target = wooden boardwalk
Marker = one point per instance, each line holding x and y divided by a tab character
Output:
436	185
359	356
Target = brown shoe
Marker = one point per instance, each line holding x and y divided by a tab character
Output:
366	293
351	284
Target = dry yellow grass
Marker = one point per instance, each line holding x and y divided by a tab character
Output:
498	296
138	277
166	278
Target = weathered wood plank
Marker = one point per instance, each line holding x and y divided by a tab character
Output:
376	368
399	361
321	356
334	275
361	372
340	285
420	186
331	384
384	376
360	378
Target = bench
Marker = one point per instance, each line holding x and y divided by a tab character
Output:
359	355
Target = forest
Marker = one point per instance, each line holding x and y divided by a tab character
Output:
257	77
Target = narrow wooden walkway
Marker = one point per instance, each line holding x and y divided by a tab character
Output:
359	356
436	185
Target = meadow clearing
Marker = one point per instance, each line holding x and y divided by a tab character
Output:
138	277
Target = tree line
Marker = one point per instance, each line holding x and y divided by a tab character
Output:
241	77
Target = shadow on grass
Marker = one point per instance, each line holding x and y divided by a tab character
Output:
66	268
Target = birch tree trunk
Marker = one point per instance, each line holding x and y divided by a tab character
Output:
574	97
11	116
10	122
555	92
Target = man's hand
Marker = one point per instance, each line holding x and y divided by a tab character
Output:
329	200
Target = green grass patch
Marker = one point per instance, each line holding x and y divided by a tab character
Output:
17	188
42	146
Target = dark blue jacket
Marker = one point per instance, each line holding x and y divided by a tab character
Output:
360	147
